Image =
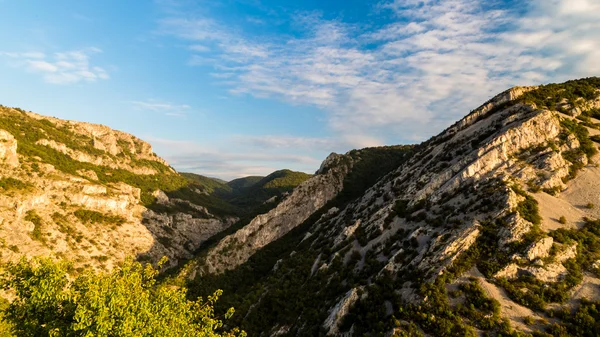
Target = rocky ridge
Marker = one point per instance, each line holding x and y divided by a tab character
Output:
465	200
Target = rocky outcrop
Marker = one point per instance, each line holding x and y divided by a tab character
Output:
8	149
539	249
339	311
306	199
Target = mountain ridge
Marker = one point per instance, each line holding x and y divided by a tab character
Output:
463	219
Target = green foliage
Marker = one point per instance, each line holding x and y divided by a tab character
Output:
93	217
552	94
285	179
6	329
562	220
36	233
587	146
12	184
528	209
245	182
248	194
482	311
584	322
590	205
125	302
292	291
206	184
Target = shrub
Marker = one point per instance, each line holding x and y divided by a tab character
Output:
93	217
529	320
36	233
562	220
126	302
10	184
590	205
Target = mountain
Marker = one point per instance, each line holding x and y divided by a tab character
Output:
95	195
489	228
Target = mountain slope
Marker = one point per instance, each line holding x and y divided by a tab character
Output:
452	242
80	191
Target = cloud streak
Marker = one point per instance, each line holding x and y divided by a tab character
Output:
413	76
169	109
67	67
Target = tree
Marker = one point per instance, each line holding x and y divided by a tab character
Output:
125	302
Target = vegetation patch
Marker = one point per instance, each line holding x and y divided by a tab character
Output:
36	233
93	217
12	184
126	302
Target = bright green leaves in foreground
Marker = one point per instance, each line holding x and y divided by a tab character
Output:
125	302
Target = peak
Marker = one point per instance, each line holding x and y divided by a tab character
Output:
330	161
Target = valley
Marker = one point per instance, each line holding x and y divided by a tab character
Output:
490	228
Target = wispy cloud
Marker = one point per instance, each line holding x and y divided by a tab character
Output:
412	77
307	143
189	156
169	109
60	68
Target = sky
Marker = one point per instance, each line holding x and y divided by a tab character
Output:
231	88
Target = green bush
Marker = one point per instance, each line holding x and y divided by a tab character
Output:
528	209
92	217
10	184
36	234
126	302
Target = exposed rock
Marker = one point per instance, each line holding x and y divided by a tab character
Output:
88	174
517	227
291	212
161	197
8	149
339	311
569	253
550	273
509	271
539	249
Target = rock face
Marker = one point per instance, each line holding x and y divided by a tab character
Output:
340	310
306	199
540	249
8	149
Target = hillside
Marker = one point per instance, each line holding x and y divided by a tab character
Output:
489	228
81	191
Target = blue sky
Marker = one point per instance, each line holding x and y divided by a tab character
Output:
244	87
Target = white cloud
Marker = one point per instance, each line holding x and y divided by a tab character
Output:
60	68
413	76
226	164
169	109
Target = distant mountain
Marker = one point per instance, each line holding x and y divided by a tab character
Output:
245	182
